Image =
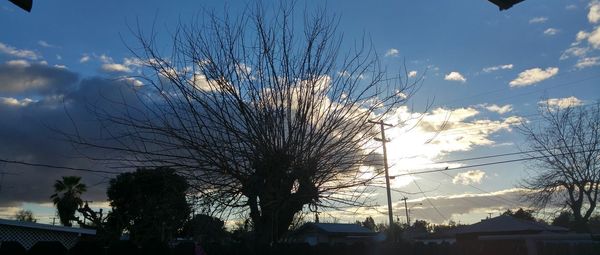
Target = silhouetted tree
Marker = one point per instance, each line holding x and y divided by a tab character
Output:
67	198
566	146
421	226
521	214
564	219
204	228
259	113
369	223
149	203
25	215
441	228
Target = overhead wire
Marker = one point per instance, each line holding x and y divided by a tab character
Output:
429	200
482	164
57	167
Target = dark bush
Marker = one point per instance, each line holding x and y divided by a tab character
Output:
123	248
183	248
87	248
47	248
12	248
155	248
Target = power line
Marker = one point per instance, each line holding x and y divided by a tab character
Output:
504	154
483	164
429	200
486	192
57	167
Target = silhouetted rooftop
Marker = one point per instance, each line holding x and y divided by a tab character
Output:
507	223
339	228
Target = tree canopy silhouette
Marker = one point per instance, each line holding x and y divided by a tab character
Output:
566	173
258	112
67	198
150	204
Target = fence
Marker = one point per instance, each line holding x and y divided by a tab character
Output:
128	248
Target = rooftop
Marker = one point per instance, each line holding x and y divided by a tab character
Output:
33	225
339	228
507	223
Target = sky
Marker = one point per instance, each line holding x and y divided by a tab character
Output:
483	70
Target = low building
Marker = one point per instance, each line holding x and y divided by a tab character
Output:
334	233
509	235
505	225
29	233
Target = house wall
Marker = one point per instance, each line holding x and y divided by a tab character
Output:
29	236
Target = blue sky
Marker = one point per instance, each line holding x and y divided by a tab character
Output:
484	69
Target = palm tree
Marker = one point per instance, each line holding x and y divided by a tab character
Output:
67	198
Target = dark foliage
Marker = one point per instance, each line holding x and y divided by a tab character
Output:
521	214
47	248
12	247
67	198
149	203
204	228
87	248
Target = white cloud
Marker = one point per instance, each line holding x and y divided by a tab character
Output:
594	13
132	81
562	103
85	58
128	65
587	62
426	138
465	206
412	74
61	66
582	35
498	67
18	63
586	42
594	38
551	31
133	62
105	59
46	44
571	7
114	67
498	109
468	177
455	76
28	54
15	102
574	52
538	20
342	73
532	76
392	52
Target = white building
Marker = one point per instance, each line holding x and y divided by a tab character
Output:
29	233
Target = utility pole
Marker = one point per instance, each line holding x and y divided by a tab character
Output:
385	166
53	221
406	210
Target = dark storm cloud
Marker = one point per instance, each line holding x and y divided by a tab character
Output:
29	133
19	77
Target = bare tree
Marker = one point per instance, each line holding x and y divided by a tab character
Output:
259	113
25	215
566	146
